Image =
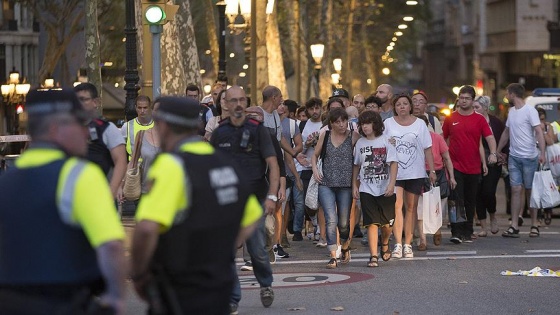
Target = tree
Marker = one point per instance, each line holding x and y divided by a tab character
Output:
262	52
276	74
62	20
93	50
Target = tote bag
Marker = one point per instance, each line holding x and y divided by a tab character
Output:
431	211
544	193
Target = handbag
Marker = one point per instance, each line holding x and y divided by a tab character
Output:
312	194
132	188
553	159
431	211
441	182
456	208
544	193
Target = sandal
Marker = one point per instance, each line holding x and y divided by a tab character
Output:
511	232
547	216
534	232
373	261
345	256
332	263
385	254
422	247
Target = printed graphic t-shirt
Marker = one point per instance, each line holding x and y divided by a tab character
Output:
374	157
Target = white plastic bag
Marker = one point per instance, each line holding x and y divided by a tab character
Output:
312	193
431	211
553	159
544	193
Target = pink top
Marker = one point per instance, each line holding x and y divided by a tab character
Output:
438	148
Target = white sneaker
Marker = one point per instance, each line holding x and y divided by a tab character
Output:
397	251
407	252
338	251
321	243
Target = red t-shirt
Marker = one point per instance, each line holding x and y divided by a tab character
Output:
438	148
463	133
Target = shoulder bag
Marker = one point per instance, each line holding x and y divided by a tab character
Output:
132	188
312	194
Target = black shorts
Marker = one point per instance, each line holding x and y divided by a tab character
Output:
414	186
378	210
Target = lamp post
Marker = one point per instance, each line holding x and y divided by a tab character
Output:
222	37
317	51
13	93
131	72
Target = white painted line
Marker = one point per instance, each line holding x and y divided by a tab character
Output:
324	261
529	251
442	253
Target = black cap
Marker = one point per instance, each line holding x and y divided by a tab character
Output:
52	101
180	111
340	93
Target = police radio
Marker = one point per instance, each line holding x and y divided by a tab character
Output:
245	139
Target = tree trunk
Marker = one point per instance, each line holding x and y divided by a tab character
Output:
93	58
325	86
189	50
139	38
347	69
298	31
172	72
262	55
212	32
276	73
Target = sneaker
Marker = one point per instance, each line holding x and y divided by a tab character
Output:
267	296
455	240
338	251
297	237
310	236
467	239
271	256
247	267
364	241
407	251
279	251
397	251
321	243
233	309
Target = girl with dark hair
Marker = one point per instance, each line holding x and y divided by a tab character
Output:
373	182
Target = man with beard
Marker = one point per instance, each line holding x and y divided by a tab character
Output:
248	142
385	93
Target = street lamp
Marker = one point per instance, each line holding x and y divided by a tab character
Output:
14	93
317	51
337	63
222	37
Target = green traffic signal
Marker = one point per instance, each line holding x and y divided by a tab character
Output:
155	14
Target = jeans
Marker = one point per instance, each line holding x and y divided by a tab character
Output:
467	188
336	203
259	258
299	205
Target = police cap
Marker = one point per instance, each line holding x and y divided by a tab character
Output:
43	102
180	111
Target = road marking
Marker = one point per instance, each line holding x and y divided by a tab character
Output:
459	252
324	261
542	251
286	280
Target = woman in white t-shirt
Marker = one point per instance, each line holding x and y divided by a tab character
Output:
412	141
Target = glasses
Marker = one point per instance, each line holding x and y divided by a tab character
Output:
237	100
371	106
422	102
465	98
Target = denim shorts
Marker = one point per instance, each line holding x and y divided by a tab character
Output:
522	170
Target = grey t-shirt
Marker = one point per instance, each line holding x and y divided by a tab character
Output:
287	125
112	136
272	122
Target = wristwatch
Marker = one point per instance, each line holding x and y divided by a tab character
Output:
272	197
433	172
494	154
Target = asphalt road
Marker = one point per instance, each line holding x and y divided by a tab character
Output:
447	279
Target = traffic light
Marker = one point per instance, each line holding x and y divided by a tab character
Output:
158	12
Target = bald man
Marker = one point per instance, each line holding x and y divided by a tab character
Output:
385	93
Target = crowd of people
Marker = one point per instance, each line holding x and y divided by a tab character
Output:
240	176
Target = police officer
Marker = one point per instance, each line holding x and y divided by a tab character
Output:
61	240
106	145
249	143
188	221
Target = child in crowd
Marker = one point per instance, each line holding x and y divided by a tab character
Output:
374	176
